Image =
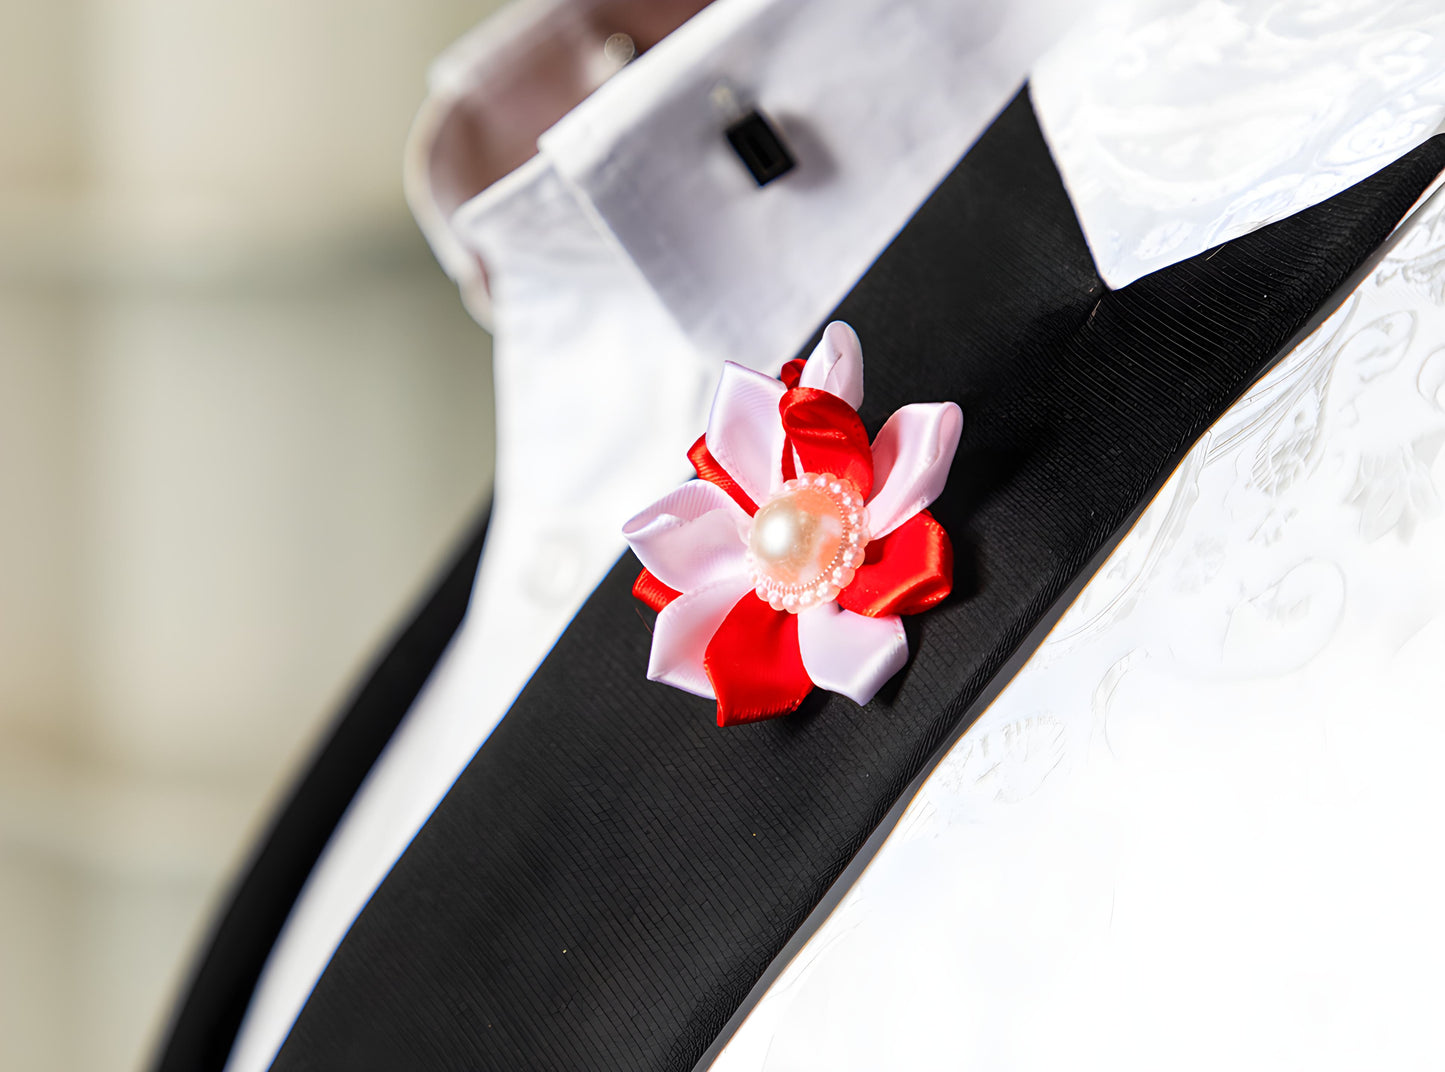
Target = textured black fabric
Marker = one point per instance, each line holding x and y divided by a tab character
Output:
612	872
205	1025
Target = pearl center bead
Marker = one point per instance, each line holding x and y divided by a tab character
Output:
807	542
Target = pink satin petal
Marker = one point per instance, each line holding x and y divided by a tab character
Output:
911	458
836	364
683	629
850	653
691	537
745	432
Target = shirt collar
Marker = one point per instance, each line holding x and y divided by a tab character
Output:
876	99
1175	125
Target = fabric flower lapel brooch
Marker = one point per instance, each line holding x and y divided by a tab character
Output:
787	564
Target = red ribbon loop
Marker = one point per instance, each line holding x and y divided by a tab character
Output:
907	571
708	468
793	372
652	591
828	436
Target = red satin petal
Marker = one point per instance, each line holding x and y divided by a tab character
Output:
754	663
652	591
828	436
708	468
791	374
790	464
907	571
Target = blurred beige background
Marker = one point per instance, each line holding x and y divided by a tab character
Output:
242	418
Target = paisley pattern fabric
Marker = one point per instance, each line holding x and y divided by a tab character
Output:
1178	126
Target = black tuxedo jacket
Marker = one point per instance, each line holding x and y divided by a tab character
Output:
609	817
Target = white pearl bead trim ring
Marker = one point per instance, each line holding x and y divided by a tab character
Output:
807	541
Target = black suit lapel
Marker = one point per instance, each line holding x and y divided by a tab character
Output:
613	873
205	1025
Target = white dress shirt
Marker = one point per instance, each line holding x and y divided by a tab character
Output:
634	253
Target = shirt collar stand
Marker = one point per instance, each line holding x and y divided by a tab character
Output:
875	99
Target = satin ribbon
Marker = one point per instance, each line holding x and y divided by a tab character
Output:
713	635
906	572
825	435
762	663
